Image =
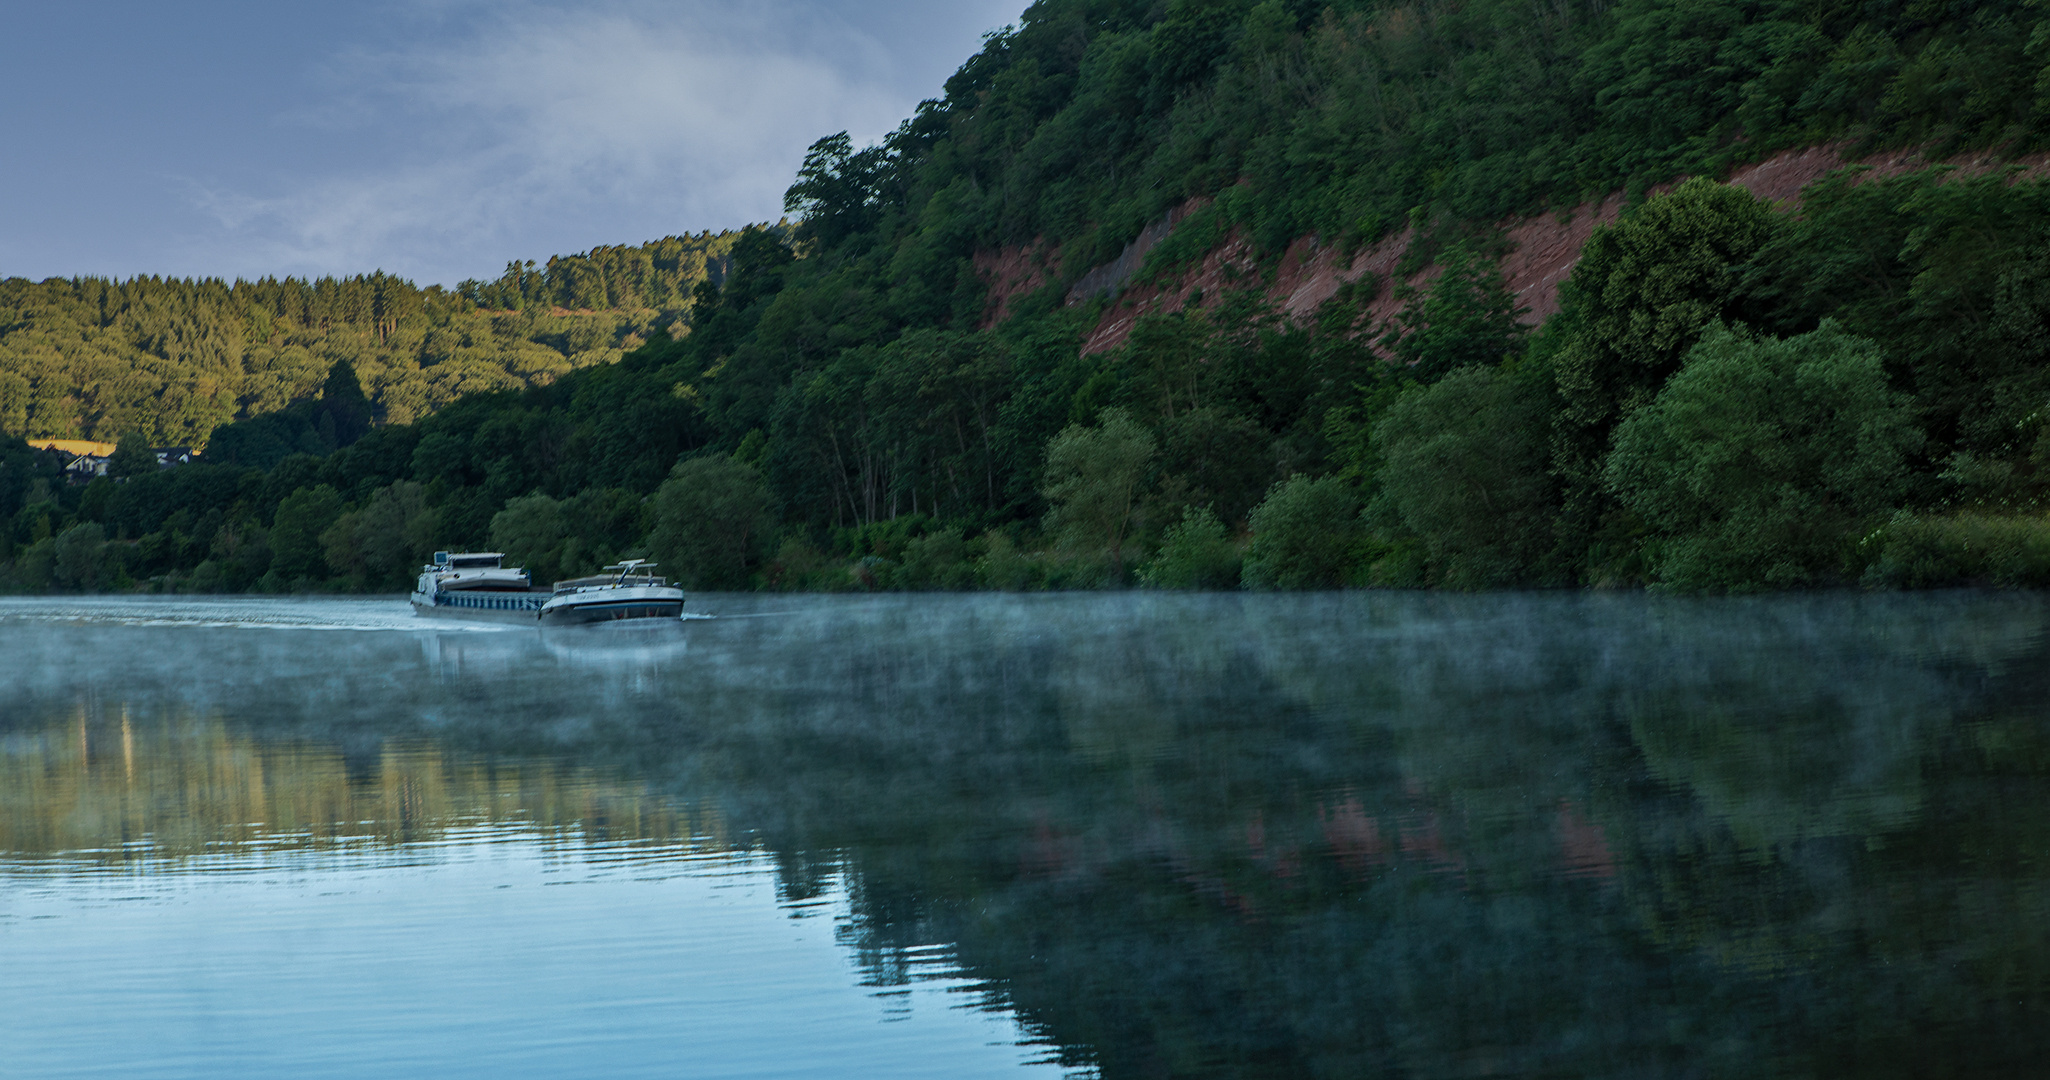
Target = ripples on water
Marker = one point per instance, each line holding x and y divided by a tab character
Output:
1137	835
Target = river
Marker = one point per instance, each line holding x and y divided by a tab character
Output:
1115	835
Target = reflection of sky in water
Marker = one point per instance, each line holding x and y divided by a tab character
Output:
182	900
491	952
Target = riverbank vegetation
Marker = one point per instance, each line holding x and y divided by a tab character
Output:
1734	394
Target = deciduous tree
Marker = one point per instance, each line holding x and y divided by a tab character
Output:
1092	489
712	523
1759	463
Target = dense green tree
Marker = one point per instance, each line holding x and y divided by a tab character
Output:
297	553
95	502
132	457
1644	290
1304	535
382	544
1463	317
1212	459
1195	553
661	275
1169	369
1763	460
1093	478
14	403
1953	274
840	192
560	539
1465	463
711	523
1640	296
531	531
79	555
237	557
34	567
914	430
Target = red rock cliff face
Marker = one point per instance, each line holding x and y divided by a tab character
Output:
1542	251
1012	273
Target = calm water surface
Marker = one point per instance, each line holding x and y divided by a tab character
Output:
1103	835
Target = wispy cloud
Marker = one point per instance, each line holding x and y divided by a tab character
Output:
536	123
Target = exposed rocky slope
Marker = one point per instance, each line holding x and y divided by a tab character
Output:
1542	250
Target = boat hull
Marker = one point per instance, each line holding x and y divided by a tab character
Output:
613	605
509	607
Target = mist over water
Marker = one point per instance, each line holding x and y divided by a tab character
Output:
1122	835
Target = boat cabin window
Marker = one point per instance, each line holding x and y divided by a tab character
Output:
474	562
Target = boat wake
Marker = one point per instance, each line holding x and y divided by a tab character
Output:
254	613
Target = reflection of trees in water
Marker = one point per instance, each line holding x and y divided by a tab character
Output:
1335	849
117	785
1866	839
1323	835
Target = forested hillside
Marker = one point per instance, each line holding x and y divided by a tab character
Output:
170	360
1733	394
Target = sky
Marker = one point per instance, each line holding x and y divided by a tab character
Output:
436	139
